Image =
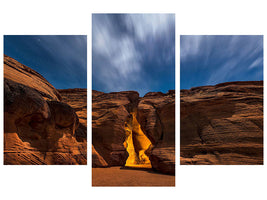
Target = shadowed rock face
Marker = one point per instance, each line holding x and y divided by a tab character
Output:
124	123
38	128
77	99
156	114
109	114
97	160
222	124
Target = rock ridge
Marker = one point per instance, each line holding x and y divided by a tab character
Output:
13	67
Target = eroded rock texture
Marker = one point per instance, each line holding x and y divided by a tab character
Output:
156	114
109	114
119	115
77	99
38	127
222	124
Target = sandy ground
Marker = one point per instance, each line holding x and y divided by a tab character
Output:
117	176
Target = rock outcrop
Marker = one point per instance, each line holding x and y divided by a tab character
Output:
97	160
134	131
222	124
38	127
19	73
156	114
77	99
109	114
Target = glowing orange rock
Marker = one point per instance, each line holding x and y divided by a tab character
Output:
136	144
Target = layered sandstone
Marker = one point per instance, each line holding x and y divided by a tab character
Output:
19	73
77	99
109	114
38	127
134	131
156	114
222	124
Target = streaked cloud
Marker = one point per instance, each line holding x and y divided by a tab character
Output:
256	63
208	59
130	50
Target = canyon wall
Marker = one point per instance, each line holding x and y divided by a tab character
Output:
134	131
39	128
222	124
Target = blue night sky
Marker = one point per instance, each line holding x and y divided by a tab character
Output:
59	59
209	60
133	52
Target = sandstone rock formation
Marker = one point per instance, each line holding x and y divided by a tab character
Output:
109	114
38	127
134	131
97	160
222	124
77	99
156	114
19	73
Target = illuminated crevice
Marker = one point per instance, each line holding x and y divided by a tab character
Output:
136	144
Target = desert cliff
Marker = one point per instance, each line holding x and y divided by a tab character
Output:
133	131
41	124
222	124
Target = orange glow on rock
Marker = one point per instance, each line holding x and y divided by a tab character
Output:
136	144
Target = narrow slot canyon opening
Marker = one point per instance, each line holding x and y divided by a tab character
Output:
137	144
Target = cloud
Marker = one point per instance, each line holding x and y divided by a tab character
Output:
256	63
149	25
190	46
123	45
114	58
222	72
215	59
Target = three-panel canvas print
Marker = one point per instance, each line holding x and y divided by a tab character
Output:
135	117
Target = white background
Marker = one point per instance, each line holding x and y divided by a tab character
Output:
74	17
